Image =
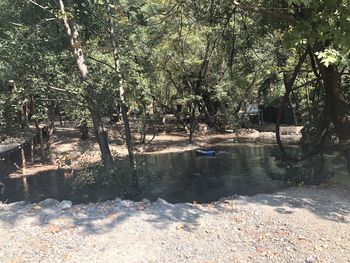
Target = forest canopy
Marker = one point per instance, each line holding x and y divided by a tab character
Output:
203	61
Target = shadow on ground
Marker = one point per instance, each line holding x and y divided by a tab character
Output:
331	203
100	218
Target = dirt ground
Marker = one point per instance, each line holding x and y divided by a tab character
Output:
305	224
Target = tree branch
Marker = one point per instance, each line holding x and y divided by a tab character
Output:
100	61
42	7
64	90
266	11
306	83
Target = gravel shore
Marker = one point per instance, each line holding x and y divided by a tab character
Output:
310	224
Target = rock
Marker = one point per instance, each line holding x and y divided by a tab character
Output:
22	211
118	200
17	205
161	201
48	202
127	203
48	214
310	259
145	201
65	204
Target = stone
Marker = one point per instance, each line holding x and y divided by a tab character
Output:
17	205
118	200
127	203
65	204
145	201
161	201
48	202
49	214
22	211
310	259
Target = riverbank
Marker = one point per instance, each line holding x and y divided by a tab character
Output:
305	224
68	151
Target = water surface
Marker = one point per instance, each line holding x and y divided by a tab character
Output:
242	169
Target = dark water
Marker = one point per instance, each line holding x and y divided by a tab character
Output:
242	169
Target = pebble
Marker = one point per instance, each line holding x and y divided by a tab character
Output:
310	259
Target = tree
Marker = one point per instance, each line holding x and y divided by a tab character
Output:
77	51
318	26
117	68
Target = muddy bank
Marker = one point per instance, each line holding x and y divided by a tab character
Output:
310	224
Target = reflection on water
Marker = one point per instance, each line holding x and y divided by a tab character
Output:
181	177
242	169
38	187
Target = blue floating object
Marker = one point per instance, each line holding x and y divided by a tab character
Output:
205	152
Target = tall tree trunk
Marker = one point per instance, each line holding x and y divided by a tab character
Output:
192	122
24	114
41	141
288	83
124	108
59	115
102	141
51	129
77	51
339	110
39	133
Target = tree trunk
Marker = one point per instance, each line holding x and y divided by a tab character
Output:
288	82
24	114
51	115
60	115
77	51
143	129
41	141
102	142
192	122
23	160
84	131
124	108
339	110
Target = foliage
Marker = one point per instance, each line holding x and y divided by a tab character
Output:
201	60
